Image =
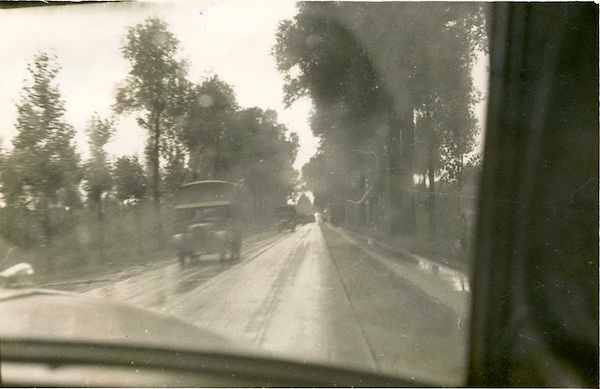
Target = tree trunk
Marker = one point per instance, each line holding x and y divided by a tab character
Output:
407	158
400	142
100	214
137	210
47	231
461	218
431	199
459	184
394	203
431	159
155	167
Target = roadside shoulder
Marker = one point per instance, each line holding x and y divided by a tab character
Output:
396	249
445	285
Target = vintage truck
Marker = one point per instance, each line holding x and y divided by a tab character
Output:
208	220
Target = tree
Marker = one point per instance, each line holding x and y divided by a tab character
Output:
225	142
41	173
97	173
304	206
337	73
262	154
447	125
389	60
207	126
129	180
156	87
175	171
130	187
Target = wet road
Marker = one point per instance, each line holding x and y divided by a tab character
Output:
318	295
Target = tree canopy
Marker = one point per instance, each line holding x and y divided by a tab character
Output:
130	183
223	141
41	174
397	89
97	170
156	86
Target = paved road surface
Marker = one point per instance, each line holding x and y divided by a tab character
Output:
294	295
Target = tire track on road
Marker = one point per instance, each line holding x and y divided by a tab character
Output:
261	319
254	253
153	288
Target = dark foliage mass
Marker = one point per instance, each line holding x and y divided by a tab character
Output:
222	141
394	105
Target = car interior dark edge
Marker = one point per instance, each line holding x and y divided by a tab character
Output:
534	309
535	292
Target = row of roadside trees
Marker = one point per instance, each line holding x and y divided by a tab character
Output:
394	101
61	206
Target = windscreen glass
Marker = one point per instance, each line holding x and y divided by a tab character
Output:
363	119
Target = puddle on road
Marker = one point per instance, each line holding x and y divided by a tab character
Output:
458	280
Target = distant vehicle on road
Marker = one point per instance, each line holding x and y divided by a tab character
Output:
208	220
302	218
286	218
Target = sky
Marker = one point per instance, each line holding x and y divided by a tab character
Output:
229	38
